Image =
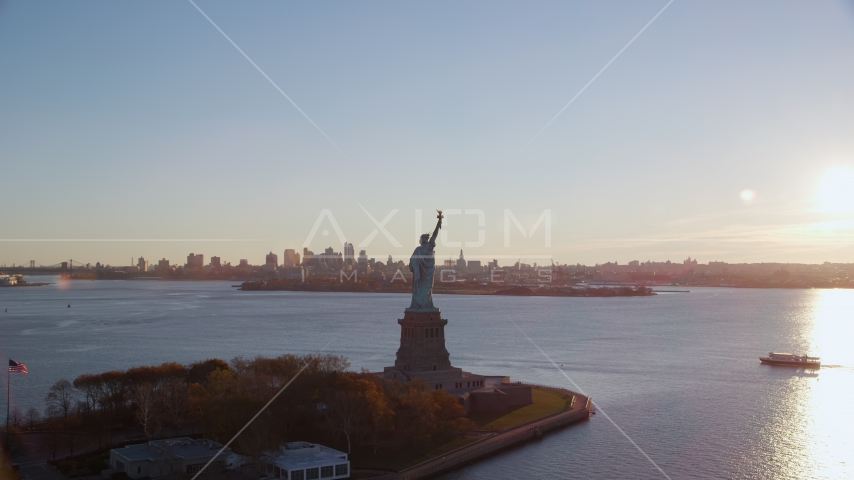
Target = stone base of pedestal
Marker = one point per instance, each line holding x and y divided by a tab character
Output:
454	380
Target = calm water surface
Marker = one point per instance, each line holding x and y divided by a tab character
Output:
678	372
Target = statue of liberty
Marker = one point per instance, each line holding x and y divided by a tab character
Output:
422	264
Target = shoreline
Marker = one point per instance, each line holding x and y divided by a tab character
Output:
581	409
751	285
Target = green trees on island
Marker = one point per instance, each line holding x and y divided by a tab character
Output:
325	402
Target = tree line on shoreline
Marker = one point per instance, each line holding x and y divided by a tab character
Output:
324	402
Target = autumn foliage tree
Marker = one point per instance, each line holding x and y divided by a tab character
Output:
425	417
324	402
357	408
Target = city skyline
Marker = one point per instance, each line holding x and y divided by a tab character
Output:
292	258
720	132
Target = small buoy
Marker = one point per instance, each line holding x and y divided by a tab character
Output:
69	305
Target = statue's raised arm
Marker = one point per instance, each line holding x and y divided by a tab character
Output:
422	264
436	230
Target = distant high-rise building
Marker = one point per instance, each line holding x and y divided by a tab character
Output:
142	264
216	262
461	262
362	263
291	258
349	254
195	262
163	265
272	259
307	256
243	263
271	263
390	261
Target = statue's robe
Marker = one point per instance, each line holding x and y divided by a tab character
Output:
422	265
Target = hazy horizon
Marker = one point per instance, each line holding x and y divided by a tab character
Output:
722	132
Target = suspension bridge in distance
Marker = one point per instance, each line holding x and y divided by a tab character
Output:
63	269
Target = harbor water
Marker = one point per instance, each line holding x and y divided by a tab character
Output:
677	374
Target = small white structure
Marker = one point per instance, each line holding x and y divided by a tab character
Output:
306	461
8	281
160	458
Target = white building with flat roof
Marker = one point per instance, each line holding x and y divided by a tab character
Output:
175	456
306	461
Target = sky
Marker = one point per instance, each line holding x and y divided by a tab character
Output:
723	132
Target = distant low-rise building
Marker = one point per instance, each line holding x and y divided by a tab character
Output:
306	461
172	457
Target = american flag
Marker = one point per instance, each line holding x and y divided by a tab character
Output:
17	367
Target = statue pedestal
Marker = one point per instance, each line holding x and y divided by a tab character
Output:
422	354
422	342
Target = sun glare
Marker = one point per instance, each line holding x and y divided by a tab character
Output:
836	191
827	419
747	195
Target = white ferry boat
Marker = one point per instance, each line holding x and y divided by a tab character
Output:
790	359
